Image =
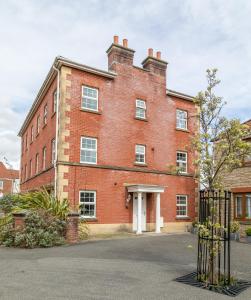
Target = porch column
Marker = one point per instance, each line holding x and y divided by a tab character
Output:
157	228
139	229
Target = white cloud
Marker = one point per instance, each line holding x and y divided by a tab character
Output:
192	35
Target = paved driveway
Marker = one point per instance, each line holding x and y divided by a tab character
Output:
129	268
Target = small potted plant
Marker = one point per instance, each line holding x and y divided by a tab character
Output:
194	228
248	233
234	231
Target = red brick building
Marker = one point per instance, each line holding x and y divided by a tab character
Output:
9	180
110	142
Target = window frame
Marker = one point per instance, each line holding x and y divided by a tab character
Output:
44	158
178	122
45	116
244	196
90	98
144	147
1	184
182	205
37	163
177	161
32	133
38	123
31	169
53	151
54	103
95	204
88	149
141	108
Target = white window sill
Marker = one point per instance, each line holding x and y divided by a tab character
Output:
91	111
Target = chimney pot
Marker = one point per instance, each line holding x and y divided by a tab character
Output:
158	54
125	43
115	39
150	52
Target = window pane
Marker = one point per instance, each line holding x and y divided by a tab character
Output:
181	119
181	205
238	206
90	98
87	204
248	206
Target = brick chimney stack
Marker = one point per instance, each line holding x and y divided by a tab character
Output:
119	54
155	64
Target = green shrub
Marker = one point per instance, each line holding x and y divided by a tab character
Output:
41	230
248	231
8	203
83	230
234	227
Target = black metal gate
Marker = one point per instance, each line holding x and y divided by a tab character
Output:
213	261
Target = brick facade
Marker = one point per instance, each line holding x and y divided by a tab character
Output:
117	132
9	180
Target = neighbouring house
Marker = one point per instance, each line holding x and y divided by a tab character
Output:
239	182
110	142
9	180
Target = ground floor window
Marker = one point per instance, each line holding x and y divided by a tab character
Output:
181	205
87	204
242	206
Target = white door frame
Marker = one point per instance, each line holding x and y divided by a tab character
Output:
139	210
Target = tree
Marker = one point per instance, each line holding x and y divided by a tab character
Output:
220	142
221	147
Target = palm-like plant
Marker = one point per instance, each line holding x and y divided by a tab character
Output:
40	200
43	200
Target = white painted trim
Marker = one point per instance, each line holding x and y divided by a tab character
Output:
92	88
182	216
183	152
95	205
96	149
157	229
145	189
139	225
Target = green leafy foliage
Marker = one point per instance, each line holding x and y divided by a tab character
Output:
220	142
83	230
234	227
248	231
41	230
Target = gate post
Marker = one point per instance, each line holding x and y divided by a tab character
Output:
72	228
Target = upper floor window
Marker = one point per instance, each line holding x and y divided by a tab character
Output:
53	151
89	98
87	204
25	172
181	205
26	141
1	184
88	150
44	158
181	119
55	95
140	154
45	113
181	161
32	133
140	109
242	206
38	124
37	163
30	167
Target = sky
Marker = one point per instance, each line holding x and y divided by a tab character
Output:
192	35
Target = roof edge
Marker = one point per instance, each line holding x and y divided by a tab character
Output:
180	95
59	62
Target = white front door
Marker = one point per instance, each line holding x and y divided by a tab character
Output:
135	211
